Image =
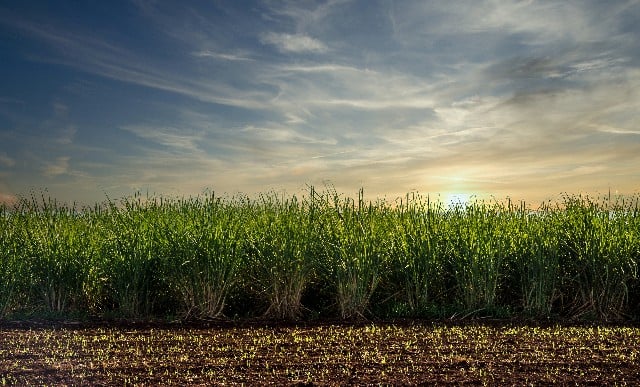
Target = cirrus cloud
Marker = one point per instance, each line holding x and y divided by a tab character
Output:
294	43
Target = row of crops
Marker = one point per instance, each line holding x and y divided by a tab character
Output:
322	255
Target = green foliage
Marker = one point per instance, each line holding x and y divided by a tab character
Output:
358	245
421	250
131	259
57	249
535	258
11	266
202	242
320	255
479	241
601	245
280	253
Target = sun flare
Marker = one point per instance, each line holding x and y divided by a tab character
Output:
457	199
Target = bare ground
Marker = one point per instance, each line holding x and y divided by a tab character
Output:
406	353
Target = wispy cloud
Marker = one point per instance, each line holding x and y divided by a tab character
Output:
613	130
305	16
96	55
294	43
179	140
6	161
59	166
61	130
328	86
223	56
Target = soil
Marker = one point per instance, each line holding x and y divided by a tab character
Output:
406	353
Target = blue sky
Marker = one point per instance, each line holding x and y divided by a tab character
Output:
527	99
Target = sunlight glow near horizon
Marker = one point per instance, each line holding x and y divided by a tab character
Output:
458	199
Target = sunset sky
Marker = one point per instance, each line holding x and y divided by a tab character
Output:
527	99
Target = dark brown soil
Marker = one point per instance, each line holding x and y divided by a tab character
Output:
404	354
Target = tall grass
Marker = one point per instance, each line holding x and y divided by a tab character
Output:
421	250
601	244
11	248
202	241
535	257
58	250
322	254
131	258
359	245
479	247
280	253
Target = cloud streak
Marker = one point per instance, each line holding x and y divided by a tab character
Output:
6	161
100	57
294	43
223	56
59	167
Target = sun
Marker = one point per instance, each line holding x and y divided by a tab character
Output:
454	199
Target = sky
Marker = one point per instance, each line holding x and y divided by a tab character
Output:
520	99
